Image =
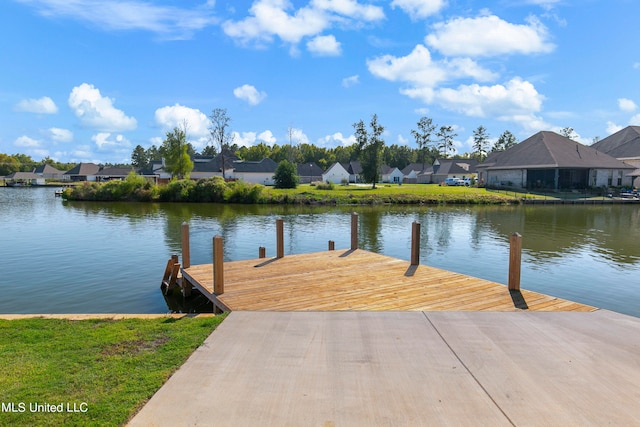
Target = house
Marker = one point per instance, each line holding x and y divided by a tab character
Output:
83	172
309	172
23	179
110	173
440	170
547	160
260	172
355	170
623	145
207	166
452	168
47	171
412	170
336	174
392	174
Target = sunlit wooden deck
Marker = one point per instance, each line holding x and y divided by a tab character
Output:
358	280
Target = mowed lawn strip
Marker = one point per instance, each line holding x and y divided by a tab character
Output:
103	369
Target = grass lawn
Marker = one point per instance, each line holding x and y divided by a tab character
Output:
393	193
103	369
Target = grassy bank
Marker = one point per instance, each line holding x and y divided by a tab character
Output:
104	369
216	190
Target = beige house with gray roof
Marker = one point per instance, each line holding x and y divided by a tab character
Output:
547	160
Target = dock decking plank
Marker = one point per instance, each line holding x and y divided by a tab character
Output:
359	280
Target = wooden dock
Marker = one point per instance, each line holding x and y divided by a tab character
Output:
359	280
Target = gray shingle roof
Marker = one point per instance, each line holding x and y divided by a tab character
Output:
84	169
265	166
623	144
550	150
46	168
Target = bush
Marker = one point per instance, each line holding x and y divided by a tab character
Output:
210	190
325	186
242	192
286	175
178	190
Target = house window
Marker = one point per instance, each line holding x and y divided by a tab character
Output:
619	178
610	178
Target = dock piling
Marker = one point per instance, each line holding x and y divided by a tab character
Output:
279	238
515	257
332	245
262	252
415	243
354	231
218	265
186	255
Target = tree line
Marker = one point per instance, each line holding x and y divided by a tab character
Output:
369	148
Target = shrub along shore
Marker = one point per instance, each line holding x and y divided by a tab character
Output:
216	190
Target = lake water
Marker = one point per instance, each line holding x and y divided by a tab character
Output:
74	257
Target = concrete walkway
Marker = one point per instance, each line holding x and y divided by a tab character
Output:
408	369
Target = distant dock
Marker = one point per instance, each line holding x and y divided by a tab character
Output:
352	280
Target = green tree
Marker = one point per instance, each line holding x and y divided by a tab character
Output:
176	155
369	146
568	133
286	175
8	164
446	135
505	141
139	158
480	143
221	135
423	137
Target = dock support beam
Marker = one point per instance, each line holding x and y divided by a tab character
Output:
415	243
262	252
218	266
186	254
515	257
332	245
279	238
354	231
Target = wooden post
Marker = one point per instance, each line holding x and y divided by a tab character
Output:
186	255
262	252
279	238
515	257
354	231
218	266
332	245
415	243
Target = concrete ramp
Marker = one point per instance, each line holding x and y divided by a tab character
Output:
407	368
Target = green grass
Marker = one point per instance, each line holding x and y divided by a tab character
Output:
389	193
111	366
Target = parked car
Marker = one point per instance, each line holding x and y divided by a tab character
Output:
452	181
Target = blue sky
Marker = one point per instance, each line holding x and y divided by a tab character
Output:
88	80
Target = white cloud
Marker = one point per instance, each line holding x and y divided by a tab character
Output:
246	139
324	46
275	18
61	135
489	36
297	136
44	105
627	105
422	73
26	142
337	139
267	137
417	9
250	94
351	81
504	102
170	117
97	111
167	21
635	120
105	141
